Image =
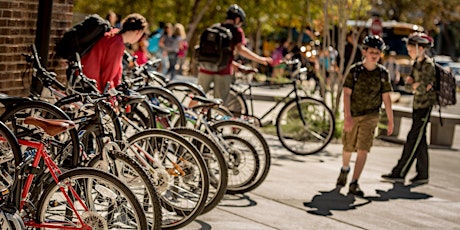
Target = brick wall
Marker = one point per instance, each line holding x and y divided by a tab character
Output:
18	21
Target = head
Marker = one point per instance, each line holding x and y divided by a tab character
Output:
237	14
169	29
373	47
179	30
111	17
416	44
133	28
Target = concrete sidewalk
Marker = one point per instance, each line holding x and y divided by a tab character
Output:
300	193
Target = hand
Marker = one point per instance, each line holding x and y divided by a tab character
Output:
390	128
348	124
409	80
415	85
267	61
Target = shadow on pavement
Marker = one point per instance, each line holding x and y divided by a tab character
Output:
204	225
238	201
325	202
399	191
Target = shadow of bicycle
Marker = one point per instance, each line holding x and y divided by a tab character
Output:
322	204
238	200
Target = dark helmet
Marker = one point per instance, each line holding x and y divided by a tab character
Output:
374	41
236	11
420	39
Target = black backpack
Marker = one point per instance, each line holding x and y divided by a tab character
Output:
445	86
215	50
82	37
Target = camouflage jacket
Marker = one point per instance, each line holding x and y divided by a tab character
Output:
367	89
424	73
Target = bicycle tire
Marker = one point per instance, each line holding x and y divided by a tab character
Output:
251	134
68	141
235	102
242	156
215	162
140	117
163	97
102	195
109	118
169	149
11	156
313	137
139	180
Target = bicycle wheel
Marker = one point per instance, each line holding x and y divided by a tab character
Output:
308	136
65	149
110	203
165	98
255	138
215	162
183	179
11	156
140	117
140	181
235	102
243	164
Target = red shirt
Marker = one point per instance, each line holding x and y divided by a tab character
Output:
103	62
238	37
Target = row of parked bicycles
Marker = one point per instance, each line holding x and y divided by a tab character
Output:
145	155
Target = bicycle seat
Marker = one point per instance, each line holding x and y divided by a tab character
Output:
52	127
161	111
205	100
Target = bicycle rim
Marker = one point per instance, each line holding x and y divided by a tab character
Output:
110	203
308	138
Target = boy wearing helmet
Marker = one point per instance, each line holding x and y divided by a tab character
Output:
421	83
223	78
365	87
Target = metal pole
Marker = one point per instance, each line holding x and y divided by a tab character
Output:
42	35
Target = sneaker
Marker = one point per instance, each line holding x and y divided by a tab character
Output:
355	190
392	177
419	180
342	180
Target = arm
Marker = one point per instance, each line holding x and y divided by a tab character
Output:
389	111
245	52
348	121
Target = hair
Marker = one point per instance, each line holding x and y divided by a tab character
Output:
133	22
179	30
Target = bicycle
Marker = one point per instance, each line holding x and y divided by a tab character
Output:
304	125
47	197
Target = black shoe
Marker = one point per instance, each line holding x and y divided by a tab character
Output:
355	190
419	180
342	180
392	177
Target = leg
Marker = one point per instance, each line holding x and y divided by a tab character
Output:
222	86
205	80
359	165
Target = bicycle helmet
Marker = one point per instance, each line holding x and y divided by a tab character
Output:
235	11
374	41
420	39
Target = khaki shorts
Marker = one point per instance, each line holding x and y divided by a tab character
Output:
362	134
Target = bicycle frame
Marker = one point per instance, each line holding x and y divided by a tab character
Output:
272	108
55	172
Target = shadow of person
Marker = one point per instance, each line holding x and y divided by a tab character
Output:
325	202
399	191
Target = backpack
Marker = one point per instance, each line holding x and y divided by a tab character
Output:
82	37
445	86
215	50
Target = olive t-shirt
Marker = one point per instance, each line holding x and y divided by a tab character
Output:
367	89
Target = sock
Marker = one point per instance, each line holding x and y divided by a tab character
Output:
345	168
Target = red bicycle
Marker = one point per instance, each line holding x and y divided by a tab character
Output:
47	197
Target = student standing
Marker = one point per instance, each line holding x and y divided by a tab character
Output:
365	87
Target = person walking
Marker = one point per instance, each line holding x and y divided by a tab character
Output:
393	68
103	62
223	78
169	44
421	83
183	46
365	87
